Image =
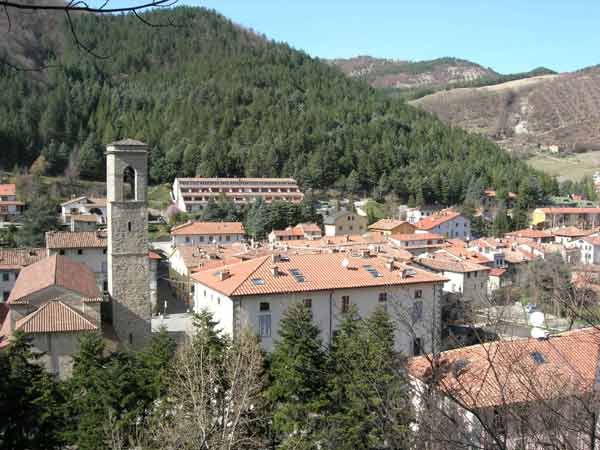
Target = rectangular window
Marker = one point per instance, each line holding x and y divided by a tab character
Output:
264	325
307	303
5	295
104	267
187	239
61	252
345	303
417	346
228	238
264	306
80	251
383	297
475	274
5	276
417	311
418	293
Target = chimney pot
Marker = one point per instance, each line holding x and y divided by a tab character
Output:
274	270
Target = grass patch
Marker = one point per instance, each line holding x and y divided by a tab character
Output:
572	167
159	196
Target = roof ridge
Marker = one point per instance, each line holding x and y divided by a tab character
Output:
76	311
30	316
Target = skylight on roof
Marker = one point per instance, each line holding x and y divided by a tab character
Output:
538	357
372	270
297	275
258	281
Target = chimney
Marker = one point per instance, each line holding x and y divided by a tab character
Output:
224	274
274	258
389	265
274	270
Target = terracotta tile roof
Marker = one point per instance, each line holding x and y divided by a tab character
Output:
437	219
16	258
309	227
239	180
153	255
450	264
8	189
55	316
517	371
497	272
79	239
352	240
571	232
594	240
54	271
416	237
89	201
204	228
198	257
467	254
315	272
387	224
289	231
569	210
530	234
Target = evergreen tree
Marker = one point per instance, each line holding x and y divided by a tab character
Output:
297	380
40	217
369	406
30	401
501	223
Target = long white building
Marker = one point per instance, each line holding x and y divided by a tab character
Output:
256	294
192	194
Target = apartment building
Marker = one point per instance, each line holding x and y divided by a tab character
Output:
447	222
584	218
204	233
91	208
343	222
256	294
10	208
192	194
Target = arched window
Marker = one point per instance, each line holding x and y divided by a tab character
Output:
129	184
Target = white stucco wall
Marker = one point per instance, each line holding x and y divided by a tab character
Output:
194	239
327	313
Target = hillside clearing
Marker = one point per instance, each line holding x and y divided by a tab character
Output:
573	167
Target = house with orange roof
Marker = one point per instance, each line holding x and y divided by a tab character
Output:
256	294
467	279
417	243
539	236
84	210
566	235
340	223
524	393
447	222
54	301
299	232
491	202
388	227
203	233
12	261
10	208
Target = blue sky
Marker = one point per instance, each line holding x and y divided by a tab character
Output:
507	35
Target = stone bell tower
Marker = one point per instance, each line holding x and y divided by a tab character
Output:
128	265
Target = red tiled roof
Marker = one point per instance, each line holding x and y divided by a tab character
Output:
569	210
54	271
79	239
55	316
492	193
203	228
416	237
571	232
8	189
505	372
388	224
497	272
319	271
89	201
531	234
437	219
153	255
594	240
16	258
450	264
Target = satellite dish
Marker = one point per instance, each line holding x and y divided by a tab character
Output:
536	319
345	263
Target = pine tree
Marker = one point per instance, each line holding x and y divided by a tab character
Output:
297	379
369	406
30	400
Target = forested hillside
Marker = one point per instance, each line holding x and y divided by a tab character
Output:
213	99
